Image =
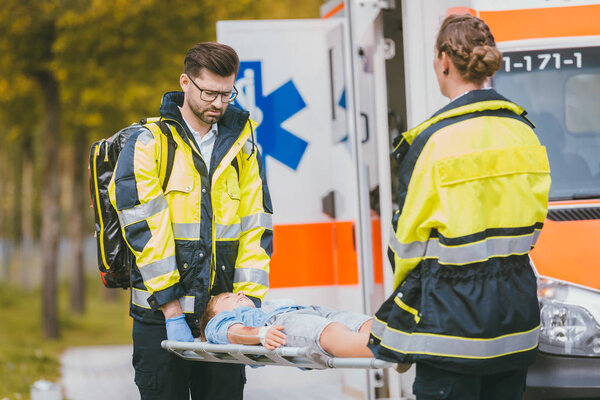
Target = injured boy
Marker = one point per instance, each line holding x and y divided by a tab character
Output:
233	318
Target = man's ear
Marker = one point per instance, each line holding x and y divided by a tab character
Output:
184	82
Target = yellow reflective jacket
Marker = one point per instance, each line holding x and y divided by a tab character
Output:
210	231
474	183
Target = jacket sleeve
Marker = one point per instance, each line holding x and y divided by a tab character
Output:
256	241
420	213
137	195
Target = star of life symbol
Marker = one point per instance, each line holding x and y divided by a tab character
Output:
270	112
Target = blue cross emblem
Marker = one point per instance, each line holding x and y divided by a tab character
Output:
270	112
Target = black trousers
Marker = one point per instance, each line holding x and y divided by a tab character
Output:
435	383
161	375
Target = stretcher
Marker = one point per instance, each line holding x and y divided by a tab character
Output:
300	357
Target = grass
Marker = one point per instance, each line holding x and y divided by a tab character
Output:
25	356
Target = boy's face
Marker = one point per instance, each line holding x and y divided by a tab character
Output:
229	301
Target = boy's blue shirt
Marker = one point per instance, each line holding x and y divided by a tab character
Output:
217	328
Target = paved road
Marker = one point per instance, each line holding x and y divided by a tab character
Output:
105	372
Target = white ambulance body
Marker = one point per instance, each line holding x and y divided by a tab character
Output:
329	96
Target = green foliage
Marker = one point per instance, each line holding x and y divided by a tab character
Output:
113	60
25	357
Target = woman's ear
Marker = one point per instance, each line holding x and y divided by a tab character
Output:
445	63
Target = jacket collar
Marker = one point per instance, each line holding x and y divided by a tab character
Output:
233	120
474	96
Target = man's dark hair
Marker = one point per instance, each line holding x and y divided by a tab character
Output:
218	58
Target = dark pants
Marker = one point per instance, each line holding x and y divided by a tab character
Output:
434	383
161	375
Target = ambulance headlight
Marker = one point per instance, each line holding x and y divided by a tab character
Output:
570	318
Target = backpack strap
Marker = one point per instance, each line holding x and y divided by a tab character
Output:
167	141
171	146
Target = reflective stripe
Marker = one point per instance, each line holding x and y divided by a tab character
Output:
186	231
536	235
408	250
378	328
452	346
187	304
479	251
145	137
140	298
253	275
158	268
142	211
465	253
232	231
261	220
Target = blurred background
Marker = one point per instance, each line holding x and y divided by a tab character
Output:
73	72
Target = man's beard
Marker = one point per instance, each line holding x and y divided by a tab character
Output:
209	119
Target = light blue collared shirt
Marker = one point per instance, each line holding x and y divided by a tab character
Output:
206	143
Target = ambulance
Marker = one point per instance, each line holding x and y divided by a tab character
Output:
331	94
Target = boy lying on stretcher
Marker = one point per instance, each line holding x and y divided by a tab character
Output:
233	318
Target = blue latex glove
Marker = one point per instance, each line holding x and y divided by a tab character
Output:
178	329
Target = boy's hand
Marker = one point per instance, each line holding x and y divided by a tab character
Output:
274	337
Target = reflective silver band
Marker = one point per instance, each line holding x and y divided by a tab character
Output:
142	211
536	235
232	231
465	253
187	304
408	250
261	220
140	299
186	231
378	328
145	137
158	268
451	346
253	275
479	251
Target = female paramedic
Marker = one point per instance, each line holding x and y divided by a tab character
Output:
474	184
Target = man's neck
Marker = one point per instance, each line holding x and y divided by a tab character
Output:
194	122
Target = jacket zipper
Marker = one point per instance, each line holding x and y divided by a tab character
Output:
212	260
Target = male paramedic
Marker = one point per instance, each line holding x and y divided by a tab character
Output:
209	231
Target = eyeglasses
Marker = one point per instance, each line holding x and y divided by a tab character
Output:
211	95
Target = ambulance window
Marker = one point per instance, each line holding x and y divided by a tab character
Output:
560	90
582	97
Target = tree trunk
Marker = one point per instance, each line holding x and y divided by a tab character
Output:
50	203
27	215
76	223
4	176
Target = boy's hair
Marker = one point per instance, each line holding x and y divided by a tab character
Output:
218	58
209	313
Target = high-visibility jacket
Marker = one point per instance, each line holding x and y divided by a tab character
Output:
210	231
474	183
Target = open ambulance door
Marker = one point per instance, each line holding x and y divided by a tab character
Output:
293	79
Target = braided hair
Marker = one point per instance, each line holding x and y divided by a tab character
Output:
468	42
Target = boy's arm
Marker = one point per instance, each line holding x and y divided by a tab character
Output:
240	334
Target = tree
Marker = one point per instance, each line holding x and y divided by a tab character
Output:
74	71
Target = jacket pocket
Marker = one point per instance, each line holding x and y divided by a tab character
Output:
408	303
233	188
180	181
145	380
432	390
